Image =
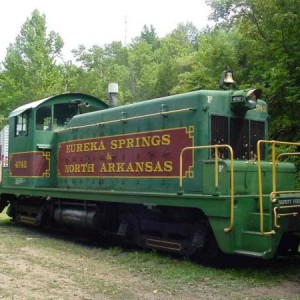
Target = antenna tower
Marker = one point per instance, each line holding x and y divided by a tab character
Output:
125	35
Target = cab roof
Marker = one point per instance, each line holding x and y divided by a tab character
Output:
35	104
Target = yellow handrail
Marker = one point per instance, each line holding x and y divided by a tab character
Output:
274	187
273	194
286	154
277	216
216	147
125	119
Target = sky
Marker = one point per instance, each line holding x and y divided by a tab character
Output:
96	22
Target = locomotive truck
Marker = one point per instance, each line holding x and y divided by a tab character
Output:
187	173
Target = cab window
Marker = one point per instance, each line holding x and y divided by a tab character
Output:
63	113
44	118
21	124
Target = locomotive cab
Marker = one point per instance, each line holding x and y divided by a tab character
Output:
31	133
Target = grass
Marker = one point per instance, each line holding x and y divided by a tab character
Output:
184	271
116	272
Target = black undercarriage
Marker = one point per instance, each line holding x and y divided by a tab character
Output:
184	231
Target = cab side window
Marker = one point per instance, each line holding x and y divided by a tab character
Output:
44	118
21	124
63	113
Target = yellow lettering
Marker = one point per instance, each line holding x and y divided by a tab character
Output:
155	140
148	166
139	166
111	167
93	146
168	166
101	146
103	168
261	108
84	167
86	147
130	143
79	168
146	141
121	143
158	167
70	148
21	164
120	167
165	139
114	144
129	168
137	142
79	148
90	168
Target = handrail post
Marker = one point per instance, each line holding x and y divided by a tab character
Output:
273	167
180	168
216	169
231	190
260	193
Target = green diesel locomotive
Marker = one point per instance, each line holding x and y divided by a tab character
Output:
186	173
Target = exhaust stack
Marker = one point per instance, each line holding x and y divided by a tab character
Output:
113	94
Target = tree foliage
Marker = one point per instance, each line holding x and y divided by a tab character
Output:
30	69
271	29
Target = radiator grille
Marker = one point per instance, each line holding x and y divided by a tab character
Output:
241	134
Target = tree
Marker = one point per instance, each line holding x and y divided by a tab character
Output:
98	67
149	36
30	69
216	49
186	33
271	29
173	57
143	71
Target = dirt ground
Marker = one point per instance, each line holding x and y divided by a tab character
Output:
35	266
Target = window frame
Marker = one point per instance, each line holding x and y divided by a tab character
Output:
22	127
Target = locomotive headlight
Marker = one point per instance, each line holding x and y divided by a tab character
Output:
244	100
